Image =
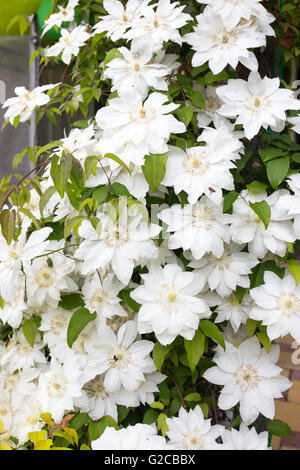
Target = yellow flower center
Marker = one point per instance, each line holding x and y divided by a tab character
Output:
172	297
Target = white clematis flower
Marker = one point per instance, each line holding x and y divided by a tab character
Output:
26	101
170	306
120	18
224	273
136	70
69	43
201	227
122	243
48	276
250	377
122	359
66	13
158	24
221	45
101	295
247	227
58	387
137	437
234	12
204	169
190	431
133	128
258	102
229	308
277	305
245	439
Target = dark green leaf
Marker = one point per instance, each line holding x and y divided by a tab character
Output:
194	349
80	420
30	329
185	114
212	331
159	354
277	427
77	323
71	301
277	170
262	210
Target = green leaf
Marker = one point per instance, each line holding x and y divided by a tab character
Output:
80	420
251	326
45	198
185	114
109	422
264	339
111	55
35	221
120	190
90	166
123	412
157	405
125	295
162	423
77	323
262	210
72	225
185	81
270	153
3	196
192	397
205	408
60	172
194	349
71	301
116	159
96	429
76	173
229	199
276	427
100	193
256	186
236	421
197	99
210	78
30	329
159	354
154	169
294	267
150	417
34	56
260	269
90	202
212	331
277	170
8	224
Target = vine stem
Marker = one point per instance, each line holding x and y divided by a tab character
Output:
15	187
177	388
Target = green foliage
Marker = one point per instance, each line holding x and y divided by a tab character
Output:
154	169
78	322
